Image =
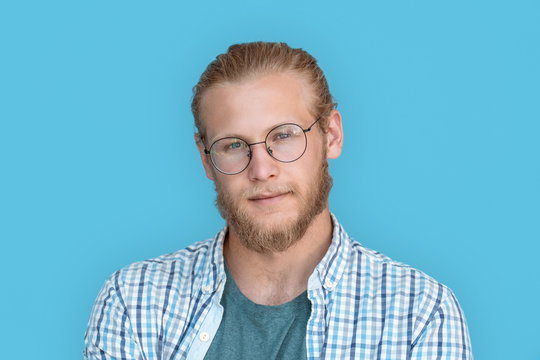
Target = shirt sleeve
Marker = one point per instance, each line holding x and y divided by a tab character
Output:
109	334
445	336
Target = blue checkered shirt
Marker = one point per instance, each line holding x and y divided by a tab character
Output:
364	306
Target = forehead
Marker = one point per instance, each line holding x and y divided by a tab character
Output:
254	105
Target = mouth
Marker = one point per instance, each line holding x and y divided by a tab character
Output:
268	198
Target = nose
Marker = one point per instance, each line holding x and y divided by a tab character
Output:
262	166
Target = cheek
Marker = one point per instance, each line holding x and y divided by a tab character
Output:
228	185
309	171
310	163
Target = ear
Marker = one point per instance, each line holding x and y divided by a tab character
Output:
334	135
204	158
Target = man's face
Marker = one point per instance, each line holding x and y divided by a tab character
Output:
270	204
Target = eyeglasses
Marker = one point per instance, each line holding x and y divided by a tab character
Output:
285	143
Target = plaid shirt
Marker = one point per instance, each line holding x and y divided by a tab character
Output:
364	306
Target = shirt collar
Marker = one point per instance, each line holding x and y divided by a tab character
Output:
327	273
213	268
332	266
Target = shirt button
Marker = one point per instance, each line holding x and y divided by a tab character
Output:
207	288
204	336
329	284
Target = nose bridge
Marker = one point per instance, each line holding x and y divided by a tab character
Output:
261	167
251	147
256	143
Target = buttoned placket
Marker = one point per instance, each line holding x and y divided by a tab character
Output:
209	326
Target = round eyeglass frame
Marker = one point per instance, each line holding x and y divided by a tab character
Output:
268	150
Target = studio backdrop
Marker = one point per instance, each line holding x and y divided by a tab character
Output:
98	167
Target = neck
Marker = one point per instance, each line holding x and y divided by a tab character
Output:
278	277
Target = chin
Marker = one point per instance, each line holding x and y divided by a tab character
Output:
276	218
276	214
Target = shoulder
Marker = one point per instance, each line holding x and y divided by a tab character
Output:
410	304
177	271
179	261
404	291
396	280
141	297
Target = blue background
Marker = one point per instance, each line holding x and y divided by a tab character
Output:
440	167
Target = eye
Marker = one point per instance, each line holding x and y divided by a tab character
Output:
231	145
283	136
285	133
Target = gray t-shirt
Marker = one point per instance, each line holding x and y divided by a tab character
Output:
253	331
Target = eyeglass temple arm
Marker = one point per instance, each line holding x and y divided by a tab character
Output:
309	128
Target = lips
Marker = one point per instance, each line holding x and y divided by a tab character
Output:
265	196
268	198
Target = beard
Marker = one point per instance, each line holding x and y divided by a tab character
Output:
280	236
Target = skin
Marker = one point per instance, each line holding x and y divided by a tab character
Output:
249	109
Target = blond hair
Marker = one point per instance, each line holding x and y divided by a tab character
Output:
242	61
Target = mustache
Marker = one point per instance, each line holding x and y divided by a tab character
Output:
266	189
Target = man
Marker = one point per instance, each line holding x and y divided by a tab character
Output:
283	280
